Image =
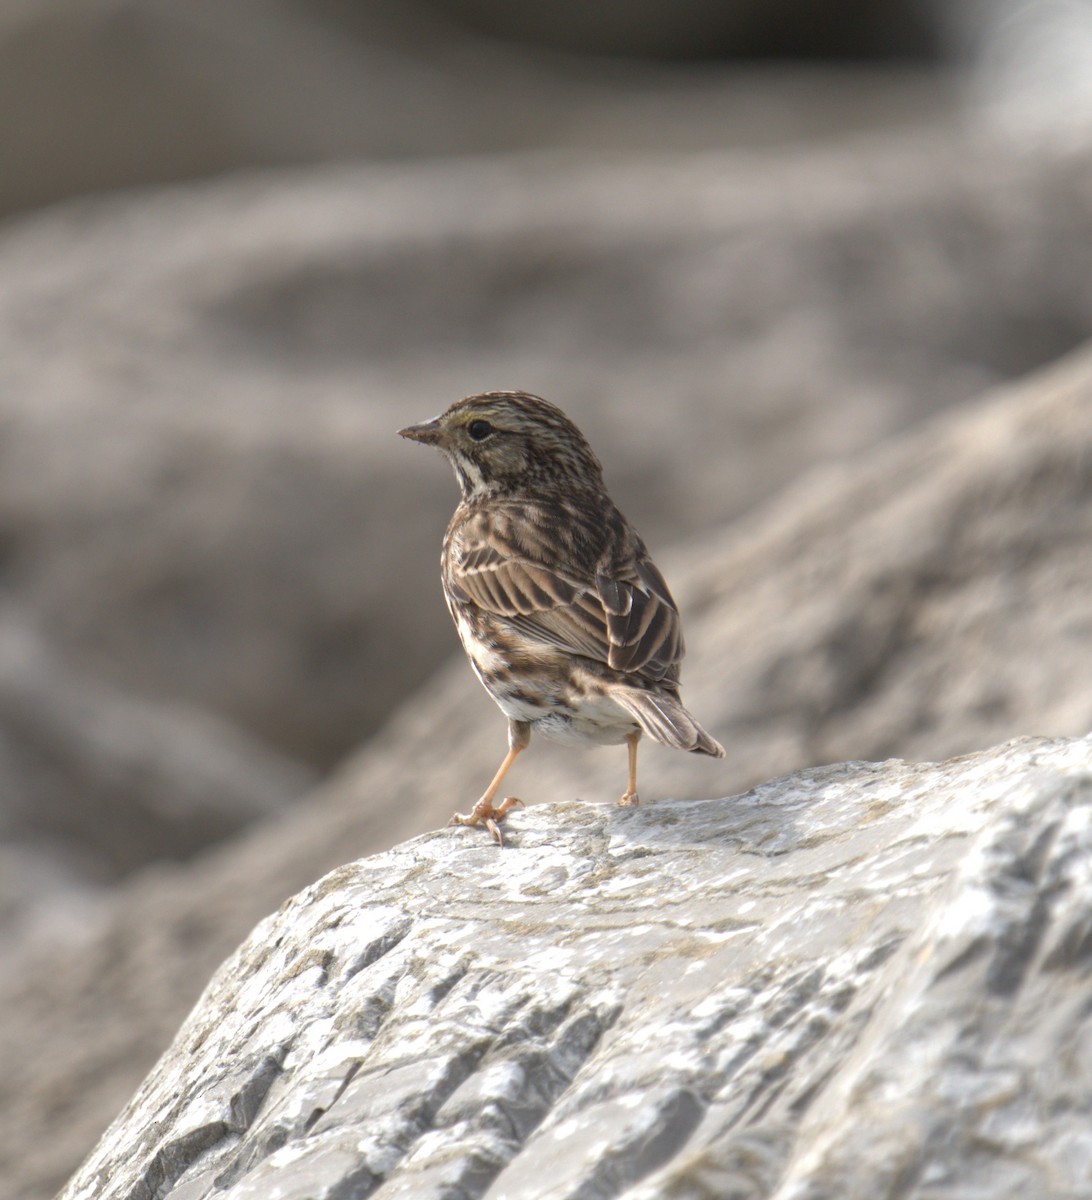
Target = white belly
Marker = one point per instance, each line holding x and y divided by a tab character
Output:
556	711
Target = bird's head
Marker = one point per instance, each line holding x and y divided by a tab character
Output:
503	443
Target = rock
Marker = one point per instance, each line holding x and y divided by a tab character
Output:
717	28
933	594
201	497
100	95
852	980
108	94
105	782
42	896
1025	64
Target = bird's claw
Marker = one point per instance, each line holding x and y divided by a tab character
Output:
484	813
628	800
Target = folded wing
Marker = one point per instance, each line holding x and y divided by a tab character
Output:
620	612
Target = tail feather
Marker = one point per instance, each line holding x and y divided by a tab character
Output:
665	719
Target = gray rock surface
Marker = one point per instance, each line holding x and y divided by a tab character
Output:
861	980
201	497
107	782
109	94
933	594
710	28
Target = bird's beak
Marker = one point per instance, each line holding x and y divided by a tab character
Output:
427	433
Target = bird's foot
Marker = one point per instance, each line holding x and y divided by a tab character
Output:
484	813
628	799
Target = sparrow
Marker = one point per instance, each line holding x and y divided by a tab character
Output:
564	617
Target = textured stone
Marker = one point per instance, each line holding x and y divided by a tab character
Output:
104	782
860	980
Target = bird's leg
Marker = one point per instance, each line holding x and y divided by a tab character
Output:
484	813
629	798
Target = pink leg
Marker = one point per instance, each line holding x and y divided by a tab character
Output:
484	812
629	798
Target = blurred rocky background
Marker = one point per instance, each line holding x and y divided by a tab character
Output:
783	268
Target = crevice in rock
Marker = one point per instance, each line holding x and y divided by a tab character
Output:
376	949
677	1115
320	1112
357	1185
549	1070
246	1103
1016	949
422	1113
174	1158
553	1069
443	986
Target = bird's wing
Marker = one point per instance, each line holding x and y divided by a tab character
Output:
642	620
621	614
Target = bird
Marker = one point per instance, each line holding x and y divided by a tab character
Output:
562	613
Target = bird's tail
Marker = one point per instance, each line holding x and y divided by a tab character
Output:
665	719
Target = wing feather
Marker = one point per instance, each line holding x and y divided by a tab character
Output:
621	614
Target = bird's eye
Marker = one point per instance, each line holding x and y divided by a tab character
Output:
479	430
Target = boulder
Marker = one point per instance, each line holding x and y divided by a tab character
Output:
859	980
929	599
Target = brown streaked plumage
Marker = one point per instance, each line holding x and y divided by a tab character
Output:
563	615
